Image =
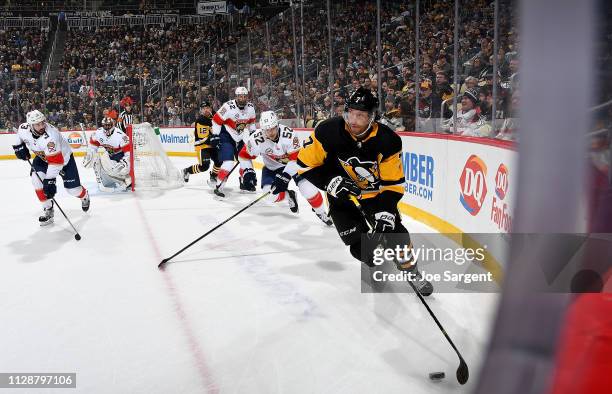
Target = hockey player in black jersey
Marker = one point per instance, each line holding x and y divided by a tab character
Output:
205	145
355	155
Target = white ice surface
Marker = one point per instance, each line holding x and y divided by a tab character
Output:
269	303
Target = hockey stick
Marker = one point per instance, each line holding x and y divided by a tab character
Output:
463	372
227	177
164	261
77	236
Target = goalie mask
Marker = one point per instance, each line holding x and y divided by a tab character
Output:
108	124
269	123
242	94
360	111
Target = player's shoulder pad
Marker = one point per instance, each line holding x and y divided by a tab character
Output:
329	130
50	129
257	137
390	141
24	126
285	129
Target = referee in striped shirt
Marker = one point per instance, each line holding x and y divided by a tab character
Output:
125	117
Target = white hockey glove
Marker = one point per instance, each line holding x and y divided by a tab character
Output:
88	159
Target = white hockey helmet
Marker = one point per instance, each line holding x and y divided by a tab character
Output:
269	123
241	90
34	117
241	96
268	120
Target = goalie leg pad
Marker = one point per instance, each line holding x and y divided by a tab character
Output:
116	169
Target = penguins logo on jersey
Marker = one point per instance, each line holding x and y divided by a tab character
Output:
364	173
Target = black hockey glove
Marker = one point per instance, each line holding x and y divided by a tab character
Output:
249	180
21	151
340	187
49	187
281	183
384	222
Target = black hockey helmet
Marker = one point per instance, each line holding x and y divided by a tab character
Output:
362	99
205	103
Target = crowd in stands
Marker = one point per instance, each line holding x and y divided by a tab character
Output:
21	53
101	67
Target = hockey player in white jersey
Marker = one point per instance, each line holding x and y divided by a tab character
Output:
112	165
53	157
233	123
278	147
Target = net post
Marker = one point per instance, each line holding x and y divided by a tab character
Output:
130	136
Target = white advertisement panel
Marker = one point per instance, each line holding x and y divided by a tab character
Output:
467	183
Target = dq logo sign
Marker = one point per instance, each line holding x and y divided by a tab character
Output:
501	181
75	140
473	184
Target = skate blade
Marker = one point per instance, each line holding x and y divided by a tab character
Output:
47	223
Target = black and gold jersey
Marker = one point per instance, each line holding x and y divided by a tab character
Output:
373	163
203	128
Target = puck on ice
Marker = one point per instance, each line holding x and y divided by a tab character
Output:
436	376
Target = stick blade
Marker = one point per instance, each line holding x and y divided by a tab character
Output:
463	373
162	265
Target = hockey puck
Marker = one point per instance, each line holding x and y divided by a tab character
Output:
77	237
436	376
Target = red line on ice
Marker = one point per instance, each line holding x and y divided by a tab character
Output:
194	346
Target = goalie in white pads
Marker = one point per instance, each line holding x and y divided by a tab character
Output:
53	157
112	165
278	147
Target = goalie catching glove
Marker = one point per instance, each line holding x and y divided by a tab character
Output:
340	187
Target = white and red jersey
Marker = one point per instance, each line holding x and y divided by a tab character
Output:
235	120
277	154
115	143
50	146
